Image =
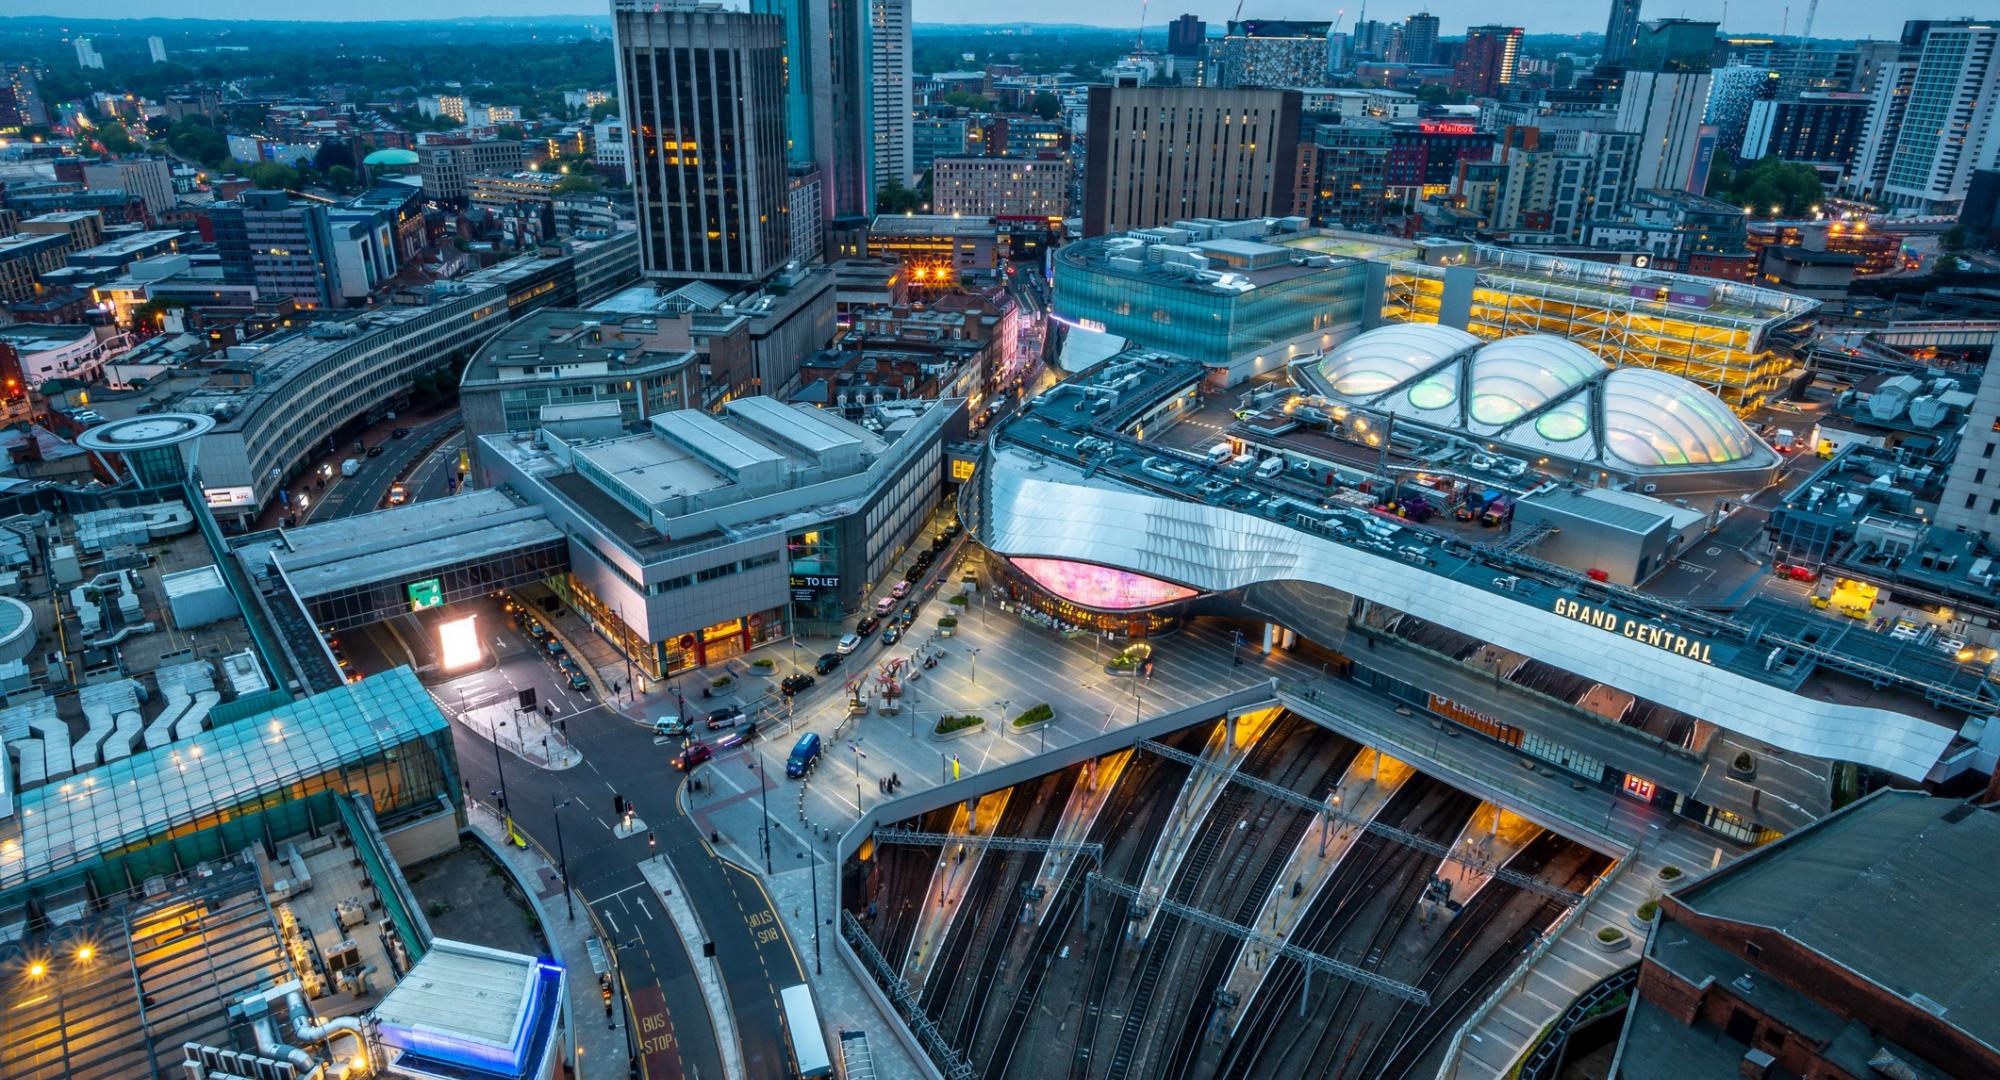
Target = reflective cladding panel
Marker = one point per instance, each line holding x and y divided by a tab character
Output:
1101	587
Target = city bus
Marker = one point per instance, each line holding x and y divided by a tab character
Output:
808	1041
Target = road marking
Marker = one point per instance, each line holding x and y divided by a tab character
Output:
626	889
613	922
643	909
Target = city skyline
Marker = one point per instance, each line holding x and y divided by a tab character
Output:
1834	19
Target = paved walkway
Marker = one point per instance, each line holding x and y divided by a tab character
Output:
1079	814
593	1036
956	868
1227	746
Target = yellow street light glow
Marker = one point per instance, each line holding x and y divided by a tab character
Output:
85	953
458	640
37	969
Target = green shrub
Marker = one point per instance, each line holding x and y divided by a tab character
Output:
1034	716
1123	663
764	663
1648	909
1670	872
948	723
948	622
958	600
718	684
1610	934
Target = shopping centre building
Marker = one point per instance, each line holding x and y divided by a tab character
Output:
1558	635
1246	297
709	535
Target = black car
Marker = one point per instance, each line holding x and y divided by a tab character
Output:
400	433
867	625
909	613
795	683
827	662
725	717
374	451
892	635
579	681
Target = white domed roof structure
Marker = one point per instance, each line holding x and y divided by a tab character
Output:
1541	395
1379	360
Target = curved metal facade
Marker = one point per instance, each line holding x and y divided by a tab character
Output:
1035	507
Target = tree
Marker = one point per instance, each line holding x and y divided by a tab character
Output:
340	178
1771	187
333	152
603	109
1047	105
575	182
116	139
274	175
1956	238
960	99
895	198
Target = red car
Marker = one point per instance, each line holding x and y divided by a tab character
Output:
696	753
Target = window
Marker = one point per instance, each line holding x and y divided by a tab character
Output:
1751	950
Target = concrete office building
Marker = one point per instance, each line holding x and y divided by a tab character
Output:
1816	127
1971	499
1272	52
447	168
150	179
1420	38
1931	125
1663	99
1186	37
709	536
1001	187
752	341
580	370
827	110
705	90
934	137
890	102
1160	154
804	203
289	244
21	102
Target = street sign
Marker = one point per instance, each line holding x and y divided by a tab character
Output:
428	593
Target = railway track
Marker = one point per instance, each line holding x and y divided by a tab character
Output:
999	931
1220	956
1373	866
1119	817
1215	828
974	921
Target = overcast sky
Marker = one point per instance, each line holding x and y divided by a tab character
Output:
1836	18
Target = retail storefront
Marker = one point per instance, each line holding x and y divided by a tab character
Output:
1120	602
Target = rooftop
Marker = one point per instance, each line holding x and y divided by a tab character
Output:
465	1011
569	343
1895	889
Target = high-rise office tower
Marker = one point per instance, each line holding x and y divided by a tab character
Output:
87	55
1930	126
703	89
1486	62
1420	38
1622	31
1664	98
157	49
1185	36
827	93
1971	499
1159	154
889	77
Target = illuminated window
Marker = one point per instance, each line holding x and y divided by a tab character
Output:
1639	789
1101	587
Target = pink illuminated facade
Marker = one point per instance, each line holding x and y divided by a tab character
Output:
1101	587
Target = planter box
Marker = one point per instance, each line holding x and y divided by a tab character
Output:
1018	728
1623	942
766	672
1122	672
946	631
1642	925
1677	879
959	734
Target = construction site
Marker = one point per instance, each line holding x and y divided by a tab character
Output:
1253	896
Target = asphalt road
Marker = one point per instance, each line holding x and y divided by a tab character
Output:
364	491
753	954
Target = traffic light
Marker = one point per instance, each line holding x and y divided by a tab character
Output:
617	806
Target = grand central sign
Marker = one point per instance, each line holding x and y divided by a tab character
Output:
1639	630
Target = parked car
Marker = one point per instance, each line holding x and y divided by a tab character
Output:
892	635
696	753
579	681
901	590
909	613
805	753
867	625
885	605
399	433
795	683
725	717
848	644
375	451
829	661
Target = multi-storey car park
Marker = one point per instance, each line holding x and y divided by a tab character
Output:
1247	297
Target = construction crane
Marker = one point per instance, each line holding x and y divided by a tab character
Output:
1139	40
1811	10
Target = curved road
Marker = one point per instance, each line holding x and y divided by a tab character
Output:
365	490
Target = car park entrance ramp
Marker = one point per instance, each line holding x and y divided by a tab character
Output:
361	570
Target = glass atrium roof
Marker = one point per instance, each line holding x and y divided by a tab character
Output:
75	821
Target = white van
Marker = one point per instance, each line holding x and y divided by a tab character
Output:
1220	453
1270	468
1241	464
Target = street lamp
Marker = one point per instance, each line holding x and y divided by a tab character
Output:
562	854
975	665
764	797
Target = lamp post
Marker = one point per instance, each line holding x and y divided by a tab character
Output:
815	886
764	797
562	854
974	653
500	769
